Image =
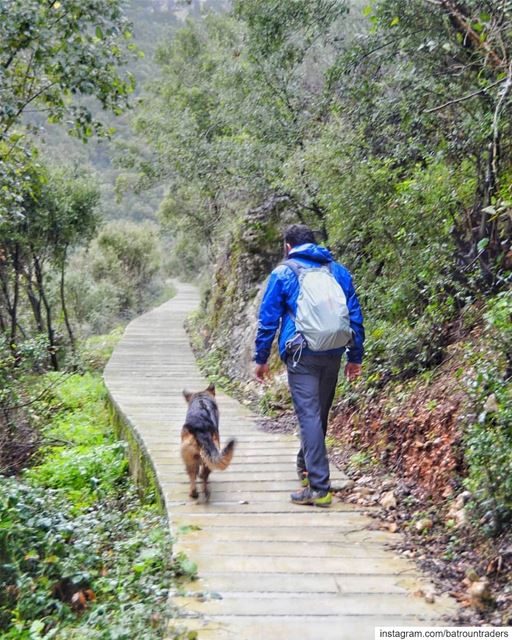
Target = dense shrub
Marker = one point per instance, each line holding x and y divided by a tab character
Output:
116	277
18	437
489	431
103	573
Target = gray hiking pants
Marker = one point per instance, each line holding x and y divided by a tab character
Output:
312	382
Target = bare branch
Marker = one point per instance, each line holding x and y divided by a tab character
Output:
21	109
389	42
464	98
61	378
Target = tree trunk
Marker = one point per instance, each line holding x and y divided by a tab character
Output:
72	341
35	303
462	23
16	295
11	298
52	349
3	325
4	281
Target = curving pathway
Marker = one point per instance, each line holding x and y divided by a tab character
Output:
268	570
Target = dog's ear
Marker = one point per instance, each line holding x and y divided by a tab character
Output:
187	395
211	388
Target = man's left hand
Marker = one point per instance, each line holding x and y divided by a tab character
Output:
353	371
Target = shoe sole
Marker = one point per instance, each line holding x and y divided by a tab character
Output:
326	505
313	503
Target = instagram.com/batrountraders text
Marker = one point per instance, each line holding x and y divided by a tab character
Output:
440	633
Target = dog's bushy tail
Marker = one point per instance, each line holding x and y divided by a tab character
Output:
211	456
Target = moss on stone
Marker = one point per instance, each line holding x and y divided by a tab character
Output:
139	462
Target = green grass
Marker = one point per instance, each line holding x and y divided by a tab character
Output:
88	463
95	352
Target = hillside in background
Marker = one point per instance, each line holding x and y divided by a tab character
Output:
152	22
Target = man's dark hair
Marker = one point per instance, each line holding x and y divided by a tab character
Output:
298	234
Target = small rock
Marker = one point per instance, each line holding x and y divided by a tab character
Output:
424	524
205	596
460	517
448	492
430	596
479	594
362	491
472	575
392	527
243	502
457	511
466	496
388	500
491	404
457	504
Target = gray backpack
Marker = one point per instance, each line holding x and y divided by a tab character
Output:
322	316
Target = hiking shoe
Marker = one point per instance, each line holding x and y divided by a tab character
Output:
311	497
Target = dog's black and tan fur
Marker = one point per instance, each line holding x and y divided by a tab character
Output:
200	445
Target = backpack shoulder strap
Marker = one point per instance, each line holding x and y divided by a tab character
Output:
295	266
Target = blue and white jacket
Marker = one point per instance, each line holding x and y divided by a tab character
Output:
279	304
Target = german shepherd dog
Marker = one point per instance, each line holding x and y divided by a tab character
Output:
200	445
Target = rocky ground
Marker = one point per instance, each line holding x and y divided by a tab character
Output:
471	569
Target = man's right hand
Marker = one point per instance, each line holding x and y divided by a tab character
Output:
353	371
261	371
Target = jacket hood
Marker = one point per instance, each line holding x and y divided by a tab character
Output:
311	251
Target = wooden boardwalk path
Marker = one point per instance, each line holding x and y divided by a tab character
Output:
268	569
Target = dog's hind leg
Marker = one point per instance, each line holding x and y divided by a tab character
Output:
204	474
191	458
192	469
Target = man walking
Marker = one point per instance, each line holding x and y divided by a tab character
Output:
312	372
